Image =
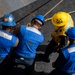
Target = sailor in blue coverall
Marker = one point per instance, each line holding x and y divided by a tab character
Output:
30	37
65	63
7	39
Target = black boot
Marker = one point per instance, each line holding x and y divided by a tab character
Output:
44	58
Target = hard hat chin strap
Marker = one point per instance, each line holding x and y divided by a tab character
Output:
38	21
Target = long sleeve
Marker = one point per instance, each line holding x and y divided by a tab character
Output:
64	41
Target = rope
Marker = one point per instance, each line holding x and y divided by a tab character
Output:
46	12
33	11
72	12
40	7
53	8
48	19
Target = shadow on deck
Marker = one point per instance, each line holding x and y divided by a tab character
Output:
42	68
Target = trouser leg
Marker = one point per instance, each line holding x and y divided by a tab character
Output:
9	65
50	48
30	69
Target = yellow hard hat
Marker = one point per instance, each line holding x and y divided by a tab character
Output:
60	18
